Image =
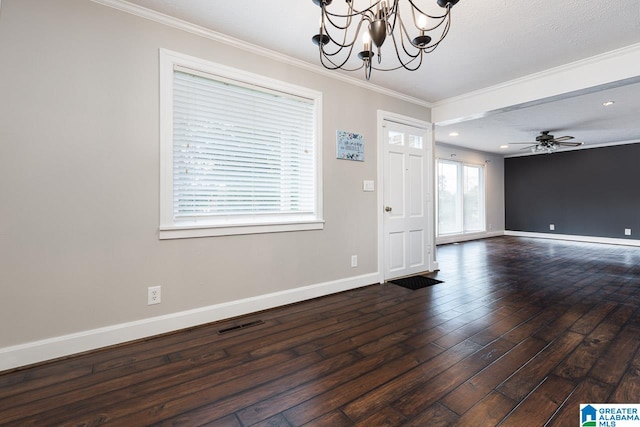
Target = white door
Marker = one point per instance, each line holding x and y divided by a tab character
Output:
405	189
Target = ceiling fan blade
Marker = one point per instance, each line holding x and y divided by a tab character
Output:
520	143
570	144
562	138
529	147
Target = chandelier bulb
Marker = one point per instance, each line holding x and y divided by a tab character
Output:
422	22
366	41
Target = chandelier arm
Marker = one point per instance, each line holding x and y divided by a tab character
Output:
324	55
335	66
328	57
413	57
428	15
352	11
404	33
431	47
339	27
344	43
403	65
445	32
439	19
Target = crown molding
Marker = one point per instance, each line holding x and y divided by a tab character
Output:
200	31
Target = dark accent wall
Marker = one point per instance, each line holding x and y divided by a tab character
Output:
592	192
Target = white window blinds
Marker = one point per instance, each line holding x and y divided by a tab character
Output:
240	150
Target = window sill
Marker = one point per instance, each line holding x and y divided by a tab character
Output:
193	231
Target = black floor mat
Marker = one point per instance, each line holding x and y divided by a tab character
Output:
415	282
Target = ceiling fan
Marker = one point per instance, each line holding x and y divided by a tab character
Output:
548	143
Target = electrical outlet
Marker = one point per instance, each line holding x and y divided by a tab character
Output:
154	295
552	227
354	261
627	232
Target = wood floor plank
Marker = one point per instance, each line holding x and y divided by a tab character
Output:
420	398
122	401
395	338
268	344
193	395
563	323
476	388
435	415
308	390
505	325
628	390
591	319
333	399
537	322
28	382
228	421
350	341
611	366
367	402
588	391
533	373
331	419
350	338
383	417
488	412
541	404
582	359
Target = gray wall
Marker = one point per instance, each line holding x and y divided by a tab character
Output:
591	192
79	178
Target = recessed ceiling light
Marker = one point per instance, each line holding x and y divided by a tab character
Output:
454	134
504	146
608	103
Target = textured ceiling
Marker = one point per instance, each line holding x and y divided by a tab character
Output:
490	42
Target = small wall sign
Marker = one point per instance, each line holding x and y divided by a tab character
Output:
350	146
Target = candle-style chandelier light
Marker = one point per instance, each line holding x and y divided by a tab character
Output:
381	19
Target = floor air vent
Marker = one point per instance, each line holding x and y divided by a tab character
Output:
238	327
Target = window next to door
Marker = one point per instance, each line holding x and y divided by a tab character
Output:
240	153
461	204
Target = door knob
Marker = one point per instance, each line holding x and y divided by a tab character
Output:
388	209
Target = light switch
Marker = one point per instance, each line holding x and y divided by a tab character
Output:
368	185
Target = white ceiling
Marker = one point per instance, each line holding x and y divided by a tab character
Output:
490	42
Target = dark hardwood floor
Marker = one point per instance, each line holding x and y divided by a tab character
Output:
519	334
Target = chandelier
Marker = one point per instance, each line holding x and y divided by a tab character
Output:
413	33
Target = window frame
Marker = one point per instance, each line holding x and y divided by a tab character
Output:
171	228
460	197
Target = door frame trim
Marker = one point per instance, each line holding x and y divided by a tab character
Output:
383	116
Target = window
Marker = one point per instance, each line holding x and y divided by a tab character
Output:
240	153
460	198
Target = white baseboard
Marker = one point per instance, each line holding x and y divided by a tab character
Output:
588	239
455	238
53	348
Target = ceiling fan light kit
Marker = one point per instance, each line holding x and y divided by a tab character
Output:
547	143
413	33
